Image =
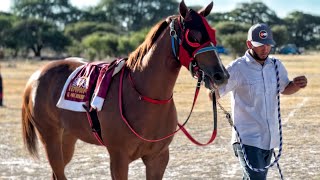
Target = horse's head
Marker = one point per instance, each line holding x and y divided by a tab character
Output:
197	50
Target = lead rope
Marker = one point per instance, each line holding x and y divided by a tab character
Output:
277	157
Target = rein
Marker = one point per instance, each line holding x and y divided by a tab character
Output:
181	127
214	132
145	98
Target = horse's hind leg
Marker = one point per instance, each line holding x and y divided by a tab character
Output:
68	144
156	165
52	141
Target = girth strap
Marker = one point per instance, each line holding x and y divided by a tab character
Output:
93	120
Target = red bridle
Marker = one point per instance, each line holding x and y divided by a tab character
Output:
186	60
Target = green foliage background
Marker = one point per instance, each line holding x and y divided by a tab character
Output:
116	27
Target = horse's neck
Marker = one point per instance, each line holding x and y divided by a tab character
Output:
160	69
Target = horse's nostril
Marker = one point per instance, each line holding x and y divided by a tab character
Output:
218	76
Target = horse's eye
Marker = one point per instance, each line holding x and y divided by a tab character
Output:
194	36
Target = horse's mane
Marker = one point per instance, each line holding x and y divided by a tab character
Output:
135	58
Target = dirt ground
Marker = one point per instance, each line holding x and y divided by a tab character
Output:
300	115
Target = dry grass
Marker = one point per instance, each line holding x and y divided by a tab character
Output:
300	114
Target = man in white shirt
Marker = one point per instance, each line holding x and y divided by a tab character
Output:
253	84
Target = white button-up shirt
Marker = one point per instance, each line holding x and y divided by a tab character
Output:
254	100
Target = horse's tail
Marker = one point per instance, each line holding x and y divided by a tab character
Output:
28	130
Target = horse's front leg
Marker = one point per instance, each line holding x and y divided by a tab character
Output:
119	165
156	164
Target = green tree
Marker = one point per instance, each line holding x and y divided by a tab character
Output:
95	14
229	27
130	42
5	26
81	29
35	35
236	43
217	17
103	44
233	36
137	14
6	23
304	29
55	11
252	13
280	34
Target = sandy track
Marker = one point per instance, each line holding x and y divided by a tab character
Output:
301	150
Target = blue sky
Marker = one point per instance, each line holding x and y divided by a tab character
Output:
281	7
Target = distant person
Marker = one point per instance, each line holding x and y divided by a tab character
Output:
1	89
253	87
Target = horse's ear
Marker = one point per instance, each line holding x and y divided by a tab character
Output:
206	11
183	9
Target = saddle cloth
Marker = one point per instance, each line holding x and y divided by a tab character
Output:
88	84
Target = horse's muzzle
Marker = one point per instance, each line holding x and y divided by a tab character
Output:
217	79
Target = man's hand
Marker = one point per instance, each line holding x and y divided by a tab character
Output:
300	81
295	85
210	94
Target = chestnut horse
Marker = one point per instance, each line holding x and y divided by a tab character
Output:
154	66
